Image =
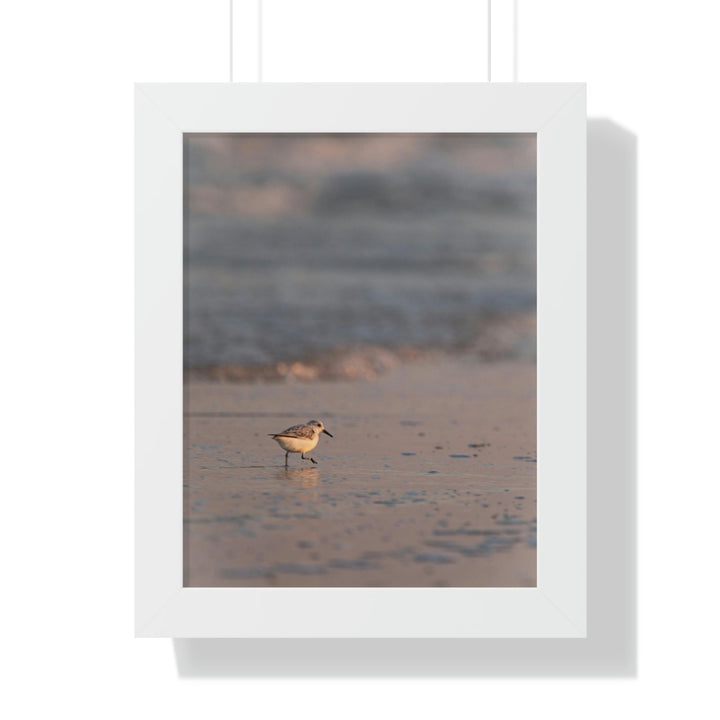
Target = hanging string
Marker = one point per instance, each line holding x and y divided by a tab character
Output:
489	40
260	41
515	40
505	25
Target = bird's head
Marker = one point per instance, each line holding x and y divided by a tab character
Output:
318	427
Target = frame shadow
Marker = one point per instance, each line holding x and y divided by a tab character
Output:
610	650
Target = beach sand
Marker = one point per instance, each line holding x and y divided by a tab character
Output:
430	480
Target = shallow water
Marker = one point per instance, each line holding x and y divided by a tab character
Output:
445	499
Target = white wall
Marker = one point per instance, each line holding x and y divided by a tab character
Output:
66	172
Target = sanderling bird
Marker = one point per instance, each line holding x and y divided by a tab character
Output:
300	439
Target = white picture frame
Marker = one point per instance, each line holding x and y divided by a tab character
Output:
557	607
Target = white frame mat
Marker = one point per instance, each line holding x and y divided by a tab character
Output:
557	607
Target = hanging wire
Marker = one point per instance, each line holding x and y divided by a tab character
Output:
489	40
515	40
231	40
260	41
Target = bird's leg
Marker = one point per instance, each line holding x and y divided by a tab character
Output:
286	455
312	460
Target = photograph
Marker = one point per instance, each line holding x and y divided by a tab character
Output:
359	360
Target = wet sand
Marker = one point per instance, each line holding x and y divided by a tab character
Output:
430	480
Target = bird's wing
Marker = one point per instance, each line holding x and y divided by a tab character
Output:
297	431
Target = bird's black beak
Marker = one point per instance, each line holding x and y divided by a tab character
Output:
326	432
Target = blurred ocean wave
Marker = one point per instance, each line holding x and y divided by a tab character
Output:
298	245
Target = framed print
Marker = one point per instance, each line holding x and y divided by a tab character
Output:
360	360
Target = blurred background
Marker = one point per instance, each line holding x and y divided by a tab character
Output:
301	246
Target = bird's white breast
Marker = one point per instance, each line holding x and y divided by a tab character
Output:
298	445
